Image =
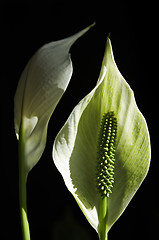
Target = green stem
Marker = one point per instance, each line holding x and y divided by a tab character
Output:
22	188
103	208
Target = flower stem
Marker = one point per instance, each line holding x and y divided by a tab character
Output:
103	207
22	188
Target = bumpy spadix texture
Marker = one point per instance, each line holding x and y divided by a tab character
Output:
75	147
106	154
41	85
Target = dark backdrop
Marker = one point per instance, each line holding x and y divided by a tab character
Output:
26	26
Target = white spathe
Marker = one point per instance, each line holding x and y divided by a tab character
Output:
75	146
41	85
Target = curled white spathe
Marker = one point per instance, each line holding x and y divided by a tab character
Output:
41	85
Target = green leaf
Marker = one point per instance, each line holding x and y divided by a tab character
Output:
41	85
75	147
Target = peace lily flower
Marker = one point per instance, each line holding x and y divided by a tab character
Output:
42	84
103	149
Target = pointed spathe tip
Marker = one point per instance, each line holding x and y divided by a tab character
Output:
72	39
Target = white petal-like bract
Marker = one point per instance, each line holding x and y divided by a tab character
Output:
41	85
75	147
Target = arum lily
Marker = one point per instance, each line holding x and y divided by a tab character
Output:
42	84
103	149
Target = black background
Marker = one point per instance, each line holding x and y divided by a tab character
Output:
26	26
